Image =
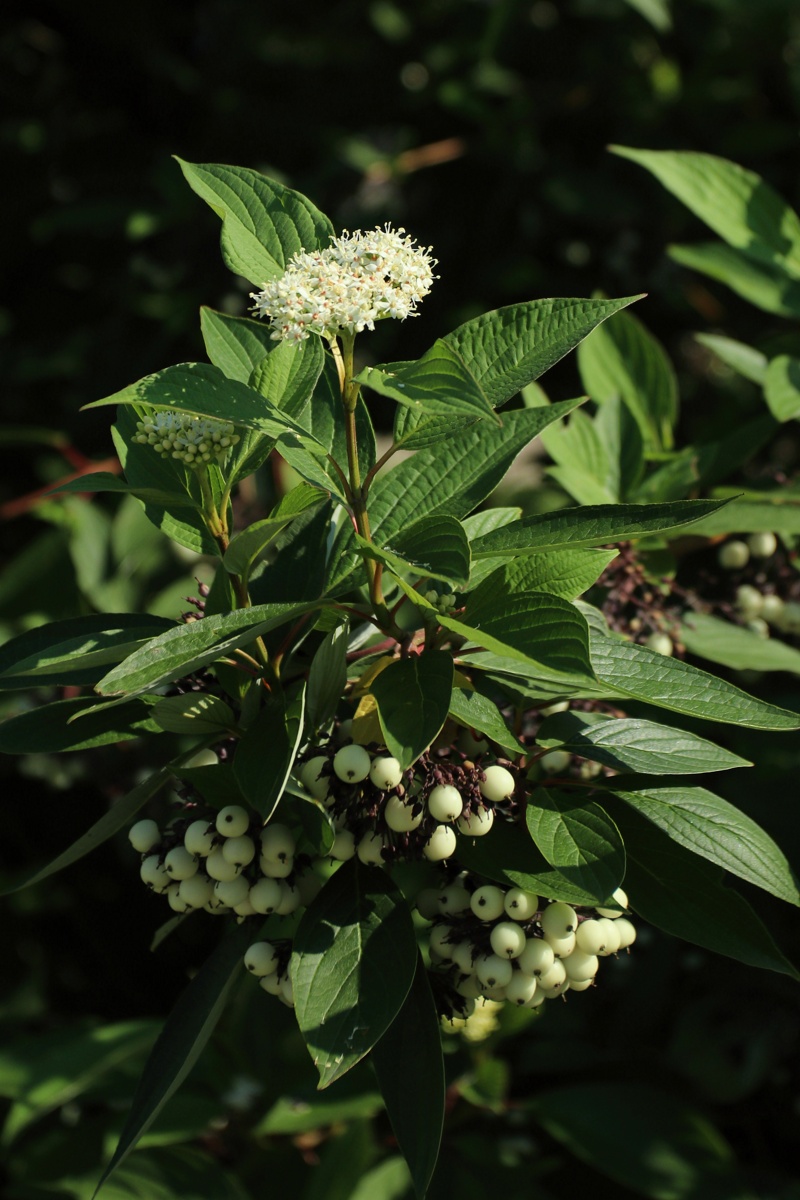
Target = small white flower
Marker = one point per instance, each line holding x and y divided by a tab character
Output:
359	279
192	440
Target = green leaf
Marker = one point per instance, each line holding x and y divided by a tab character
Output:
723	642
647	1140
104	481
235	344
413	699
447	479
768	287
584	465
632	670
782	387
410	1049
711	827
266	754
475	711
510	347
327	678
311	466
590	526
627	744
622	358
434	548
246	547
578	839
439	383
564	573
744	360
534	628
775	513
76	651
191	713
263	223
185	1034
685	896
352	966
509	856
47	730
110	823
736	203
185	648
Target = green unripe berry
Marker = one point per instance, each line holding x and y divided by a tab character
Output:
488	902
144	835
260	959
232	821
196	891
660	643
733	556
445	803
239	850
199	838
493	971
154	875
555	761
232	891
477	823
440	845
521	905
180	863
265	895
558	920
762	545
521	988
498	784
400	816
352	763
318	785
507	940
537	958
621	898
386	773
218	866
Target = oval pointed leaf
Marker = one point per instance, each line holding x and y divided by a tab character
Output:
263	223
438	383
578	839
193	713
782	387
475	711
327	677
352	967
535	628
732	646
235	344
49	729
413	699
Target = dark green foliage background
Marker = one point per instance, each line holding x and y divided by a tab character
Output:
107	256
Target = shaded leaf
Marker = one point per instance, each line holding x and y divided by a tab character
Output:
47	730
475	711
578	839
438	383
413	698
723	642
782	387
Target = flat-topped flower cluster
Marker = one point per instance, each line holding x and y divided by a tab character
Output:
192	440
359	279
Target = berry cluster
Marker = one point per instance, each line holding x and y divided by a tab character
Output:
504	944
383	814
194	441
757	603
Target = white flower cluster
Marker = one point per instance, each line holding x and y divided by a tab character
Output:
358	280
192	440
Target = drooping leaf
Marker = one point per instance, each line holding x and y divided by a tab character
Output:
578	839
47	730
629	744
475	711
353	964
767	287
263	223
76	651
510	347
182	1040
104	481
685	896
591	526
327	677
732	646
413	698
411	1049
266	753
711	827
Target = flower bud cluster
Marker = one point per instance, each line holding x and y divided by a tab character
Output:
359	279
192	440
508	945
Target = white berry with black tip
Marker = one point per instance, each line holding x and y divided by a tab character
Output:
400	817
440	942
176	903
144	835
277	841
521	989
313	781
476	823
271	983
612	938
507	939
290	900
454	899
590	937
580	966
232	891
351	764
627	932
445	803
260	959
275	868
239	850
488	902
370	850
218	866
265	895
558	920
386	773
498	783
493	971
537	958
196	891
553	977
562	947
440	845
232	821
154	875
180	864
521	905
344	846
199	838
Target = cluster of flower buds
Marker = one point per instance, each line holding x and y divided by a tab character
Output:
384	814
505	944
192	440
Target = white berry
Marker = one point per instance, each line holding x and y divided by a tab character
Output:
493	971
265	896
154	875
277	841
232	891
440	845
454	899
180	863
232	821
386	773
144	835
239	850
196	891
733	556
440	943
621	899
199	838
537	957
580	966
558	920
317	784
627	932
612	938
498	783
661	643
762	545
488	902
521	905
554	977
521	989
370	850
176	902
352	763
344	846
476	823
218	866
290	900
445	803
261	959
590	937
507	939
400	816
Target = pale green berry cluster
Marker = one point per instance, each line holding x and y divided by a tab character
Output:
269	963
227	865
734	555
383	814
194	441
444	602
507	945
